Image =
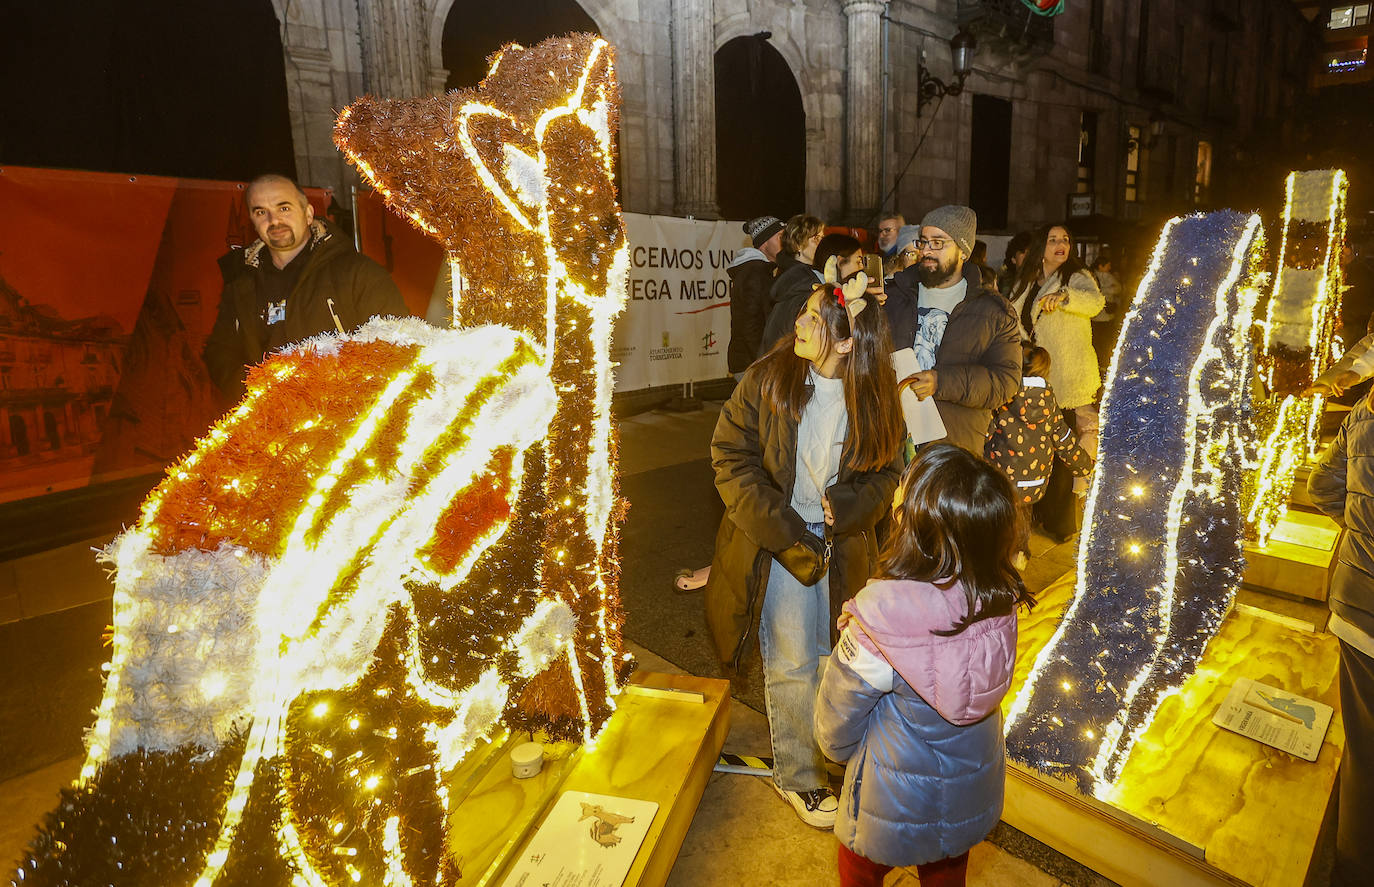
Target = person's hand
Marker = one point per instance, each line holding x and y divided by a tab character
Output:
1054	301
875	289
825	506
922	384
1334	387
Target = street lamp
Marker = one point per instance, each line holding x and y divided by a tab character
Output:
961	47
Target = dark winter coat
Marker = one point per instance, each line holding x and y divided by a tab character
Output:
1027	434
1342	487
916	716
791	289
754	454
978	363
751	280
359	287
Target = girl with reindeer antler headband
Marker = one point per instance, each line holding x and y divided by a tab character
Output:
807	454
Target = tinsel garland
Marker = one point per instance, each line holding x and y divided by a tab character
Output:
1299	336
515	178
423	527
1160	557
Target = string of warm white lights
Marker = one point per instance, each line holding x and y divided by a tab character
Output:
1299	336
1160	555
401	543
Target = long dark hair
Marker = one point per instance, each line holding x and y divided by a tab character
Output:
841	246
1028	277
876	429
956	521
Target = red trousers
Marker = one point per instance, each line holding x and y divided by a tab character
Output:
859	871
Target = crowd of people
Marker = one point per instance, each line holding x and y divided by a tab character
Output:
916	596
887	625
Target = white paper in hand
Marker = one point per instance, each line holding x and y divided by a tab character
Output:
922	417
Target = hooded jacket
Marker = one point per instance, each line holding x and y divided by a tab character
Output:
754	454
1027	434
791	289
978	363
751	278
1067	334
359	288
1342	487
916	716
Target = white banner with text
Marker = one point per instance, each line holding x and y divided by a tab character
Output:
676	324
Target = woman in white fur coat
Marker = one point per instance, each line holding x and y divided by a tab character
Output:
1055	300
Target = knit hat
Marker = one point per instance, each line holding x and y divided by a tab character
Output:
762	228
959	222
908	235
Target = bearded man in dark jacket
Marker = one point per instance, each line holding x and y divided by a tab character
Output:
299	279
964	334
751	279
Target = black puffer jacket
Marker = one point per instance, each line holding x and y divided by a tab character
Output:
791	288
358	286
754	453
751	279
1342	486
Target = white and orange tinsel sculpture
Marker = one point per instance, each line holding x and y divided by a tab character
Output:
1299	336
400	542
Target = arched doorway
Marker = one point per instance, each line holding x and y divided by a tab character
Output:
474	31
760	132
51	432
19	435
195	88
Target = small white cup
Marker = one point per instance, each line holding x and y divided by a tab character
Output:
526	760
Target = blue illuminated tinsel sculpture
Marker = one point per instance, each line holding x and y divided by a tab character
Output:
1160	557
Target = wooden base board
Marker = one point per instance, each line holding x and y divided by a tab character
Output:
1298	557
657	747
1195	804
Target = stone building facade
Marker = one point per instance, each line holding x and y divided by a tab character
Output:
1143	107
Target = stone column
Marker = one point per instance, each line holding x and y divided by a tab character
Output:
863	107
393	38
694	108
311	102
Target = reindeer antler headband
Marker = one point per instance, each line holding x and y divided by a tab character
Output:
850	294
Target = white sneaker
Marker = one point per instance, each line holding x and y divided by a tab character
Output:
817	808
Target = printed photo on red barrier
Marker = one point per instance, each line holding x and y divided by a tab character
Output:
109	285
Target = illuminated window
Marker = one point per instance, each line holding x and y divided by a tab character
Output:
1202	181
1348	16
1133	134
1346	60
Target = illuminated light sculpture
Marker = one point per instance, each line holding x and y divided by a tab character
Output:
1160	555
1299	335
399	542
516	181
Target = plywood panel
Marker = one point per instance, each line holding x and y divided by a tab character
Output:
657	749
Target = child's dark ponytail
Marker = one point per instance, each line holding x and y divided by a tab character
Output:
956	521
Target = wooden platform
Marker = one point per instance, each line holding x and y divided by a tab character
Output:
1298	559
656	749
1195	804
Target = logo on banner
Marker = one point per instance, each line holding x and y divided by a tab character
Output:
708	344
669	351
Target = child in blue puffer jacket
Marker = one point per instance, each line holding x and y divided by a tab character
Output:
910	697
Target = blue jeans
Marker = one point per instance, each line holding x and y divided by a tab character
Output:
794	633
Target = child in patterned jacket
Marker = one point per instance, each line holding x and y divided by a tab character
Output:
1026	435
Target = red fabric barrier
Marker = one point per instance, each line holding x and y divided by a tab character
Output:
108	287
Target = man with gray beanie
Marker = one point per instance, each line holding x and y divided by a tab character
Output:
751	281
965	335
